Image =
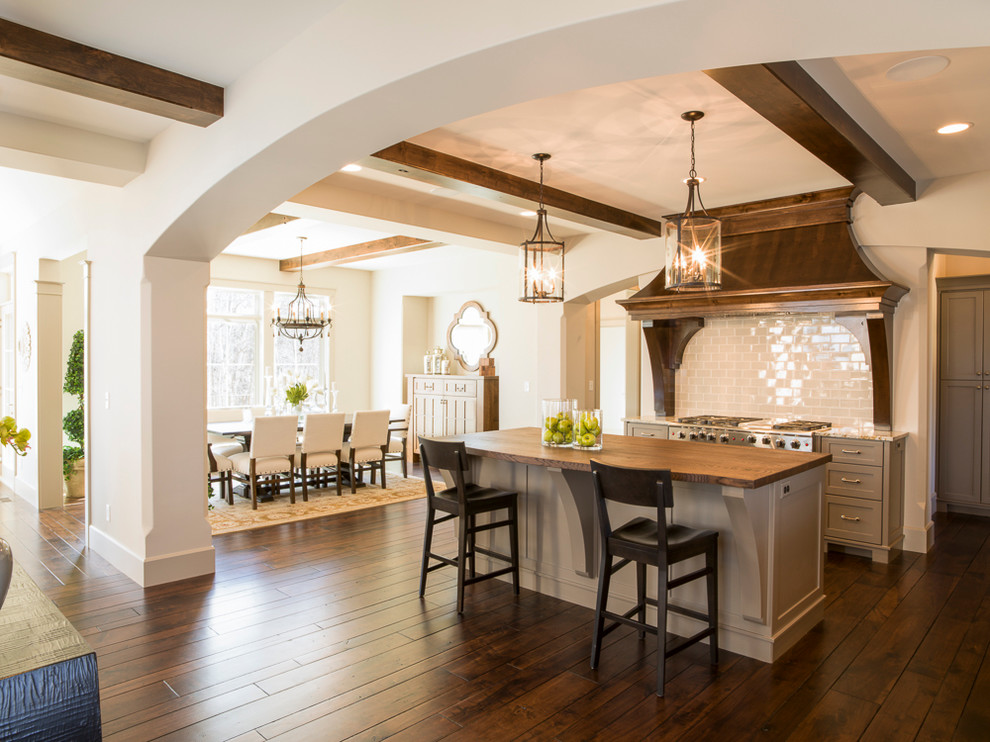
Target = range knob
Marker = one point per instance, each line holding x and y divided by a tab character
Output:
711	436
766	440
724	438
780	444
795	444
693	436
751	439
681	435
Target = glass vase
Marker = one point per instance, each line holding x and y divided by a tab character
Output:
588	430
558	422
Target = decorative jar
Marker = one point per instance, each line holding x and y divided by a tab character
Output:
588	430
558	421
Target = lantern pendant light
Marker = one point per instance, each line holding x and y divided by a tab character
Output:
541	258
693	239
301	320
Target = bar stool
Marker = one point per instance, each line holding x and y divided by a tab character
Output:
651	542
465	501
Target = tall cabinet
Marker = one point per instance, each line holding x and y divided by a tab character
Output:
450	405
964	394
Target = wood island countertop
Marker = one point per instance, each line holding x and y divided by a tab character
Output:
734	466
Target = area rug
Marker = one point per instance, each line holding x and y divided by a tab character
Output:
226	518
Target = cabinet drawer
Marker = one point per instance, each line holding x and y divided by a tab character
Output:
853	518
649	431
428	386
854	481
460	387
854	451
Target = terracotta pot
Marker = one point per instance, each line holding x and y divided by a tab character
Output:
75	486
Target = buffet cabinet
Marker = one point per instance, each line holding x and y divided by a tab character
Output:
450	405
864	494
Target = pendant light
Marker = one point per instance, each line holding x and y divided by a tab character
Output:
693	239
301	321
541	258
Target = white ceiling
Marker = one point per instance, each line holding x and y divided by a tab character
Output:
624	145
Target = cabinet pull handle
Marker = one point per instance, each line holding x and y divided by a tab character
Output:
648	435
857	452
854	518
852	481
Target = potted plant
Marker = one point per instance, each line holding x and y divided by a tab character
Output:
296	394
73	457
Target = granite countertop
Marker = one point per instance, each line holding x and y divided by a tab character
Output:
650	419
862	432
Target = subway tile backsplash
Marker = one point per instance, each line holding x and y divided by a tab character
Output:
794	366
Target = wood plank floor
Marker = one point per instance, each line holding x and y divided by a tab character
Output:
314	631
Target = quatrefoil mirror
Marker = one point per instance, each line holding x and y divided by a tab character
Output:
472	335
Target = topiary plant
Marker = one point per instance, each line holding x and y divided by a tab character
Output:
73	422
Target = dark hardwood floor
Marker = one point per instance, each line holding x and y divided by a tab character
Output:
314	631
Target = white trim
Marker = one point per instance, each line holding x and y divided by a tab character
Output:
920	540
156	570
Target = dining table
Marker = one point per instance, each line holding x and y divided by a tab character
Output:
242	430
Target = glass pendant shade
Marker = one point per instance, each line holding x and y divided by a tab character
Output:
693	253
541	266
541	258
693	240
302	321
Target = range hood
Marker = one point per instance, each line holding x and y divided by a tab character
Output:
791	254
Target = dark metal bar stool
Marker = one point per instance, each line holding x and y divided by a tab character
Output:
656	543
465	501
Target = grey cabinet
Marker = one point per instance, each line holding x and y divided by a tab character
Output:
645	429
864	494
964	395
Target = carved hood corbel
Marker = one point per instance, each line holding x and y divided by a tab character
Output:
791	254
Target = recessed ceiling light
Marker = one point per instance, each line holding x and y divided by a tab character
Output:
918	68
352	168
953	128
527	213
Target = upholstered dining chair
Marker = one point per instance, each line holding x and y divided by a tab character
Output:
273	450
223	445
398	427
222	468
368	444
320	449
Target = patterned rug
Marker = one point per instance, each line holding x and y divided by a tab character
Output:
226	518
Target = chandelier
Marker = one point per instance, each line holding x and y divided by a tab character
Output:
541	258
693	239
301	321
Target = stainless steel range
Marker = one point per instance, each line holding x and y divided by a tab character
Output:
795	435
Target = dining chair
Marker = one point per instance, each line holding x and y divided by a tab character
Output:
368	444
465	501
222	468
651	542
223	445
399	435
272	453
320	449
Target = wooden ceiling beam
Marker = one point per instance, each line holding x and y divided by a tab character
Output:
789	98
354	253
414	161
44	59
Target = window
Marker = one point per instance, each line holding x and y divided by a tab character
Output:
233	347
311	362
246	365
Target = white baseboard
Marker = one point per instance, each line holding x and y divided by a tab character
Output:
920	540
156	570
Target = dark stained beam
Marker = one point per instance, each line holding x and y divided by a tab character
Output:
354	253
268	221
59	63
414	161
789	98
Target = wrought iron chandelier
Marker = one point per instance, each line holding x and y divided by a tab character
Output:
693	239
301	321
541	258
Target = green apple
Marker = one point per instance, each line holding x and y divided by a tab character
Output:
548	436
558	438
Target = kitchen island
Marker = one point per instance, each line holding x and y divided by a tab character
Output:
766	505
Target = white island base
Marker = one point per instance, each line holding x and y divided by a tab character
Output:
770	549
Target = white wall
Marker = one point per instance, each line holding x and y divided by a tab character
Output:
73	312
451	277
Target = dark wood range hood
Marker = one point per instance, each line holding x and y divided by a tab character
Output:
792	254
